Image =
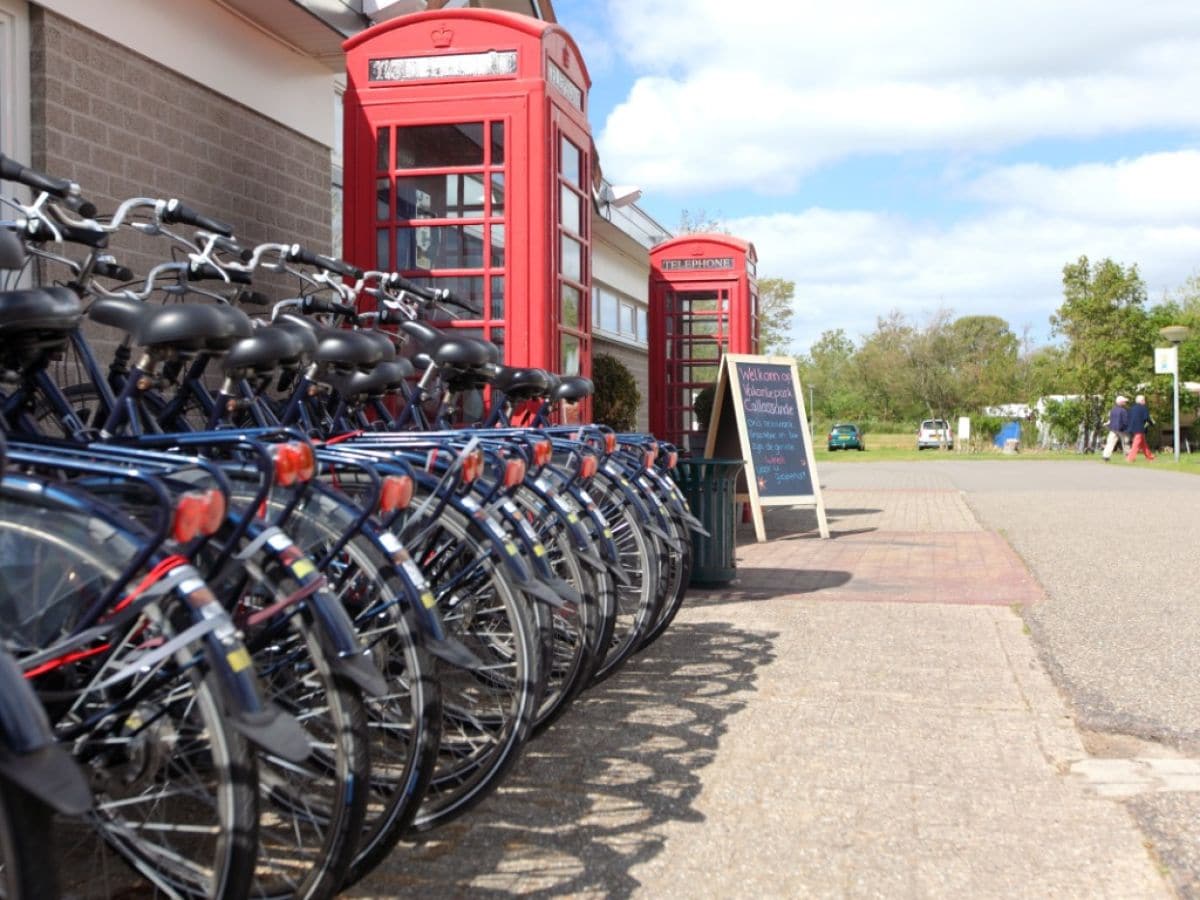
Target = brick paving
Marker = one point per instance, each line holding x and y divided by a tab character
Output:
900	545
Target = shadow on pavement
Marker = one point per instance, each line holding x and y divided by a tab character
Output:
789	524
588	801
767	584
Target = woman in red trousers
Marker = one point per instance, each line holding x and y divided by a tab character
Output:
1139	418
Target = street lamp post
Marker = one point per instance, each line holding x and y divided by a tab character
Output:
1176	334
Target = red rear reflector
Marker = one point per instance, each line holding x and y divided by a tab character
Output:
306	460
650	454
542	451
431	460
610	442
472	466
190	512
287	465
672	459
214	514
395	493
587	467
514	472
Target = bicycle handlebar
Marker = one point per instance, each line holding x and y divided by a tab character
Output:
174	212
62	188
299	254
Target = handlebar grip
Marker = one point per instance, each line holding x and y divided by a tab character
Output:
11	170
338	266
108	268
62	188
180	213
425	293
40	231
244	254
325	305
464	304
209	272
433	295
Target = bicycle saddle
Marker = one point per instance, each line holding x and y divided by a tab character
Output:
239	329
119	312
386	376
573	388
42	310
191	328
425	334
460	353
385	342
347	349
265	350
521	384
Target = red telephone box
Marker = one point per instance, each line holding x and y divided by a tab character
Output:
468	166
703	303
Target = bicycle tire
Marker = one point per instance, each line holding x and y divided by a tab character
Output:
637	601
404	725
311	813
486	713
145	743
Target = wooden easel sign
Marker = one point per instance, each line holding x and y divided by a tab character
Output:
758	415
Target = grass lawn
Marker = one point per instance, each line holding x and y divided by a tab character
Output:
903	448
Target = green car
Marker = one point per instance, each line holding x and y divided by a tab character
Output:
846	437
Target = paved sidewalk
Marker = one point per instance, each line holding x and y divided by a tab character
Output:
863	716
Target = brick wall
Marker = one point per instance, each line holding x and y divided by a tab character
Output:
122	126
636	362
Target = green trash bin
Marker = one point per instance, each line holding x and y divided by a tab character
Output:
709	486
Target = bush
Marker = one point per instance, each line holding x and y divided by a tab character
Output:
617	398
984	430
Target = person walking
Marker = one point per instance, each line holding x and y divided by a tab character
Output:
1139	418
1118	427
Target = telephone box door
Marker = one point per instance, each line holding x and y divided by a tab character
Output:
696	330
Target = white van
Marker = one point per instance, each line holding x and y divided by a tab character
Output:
933	433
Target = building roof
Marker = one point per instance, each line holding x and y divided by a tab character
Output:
317	28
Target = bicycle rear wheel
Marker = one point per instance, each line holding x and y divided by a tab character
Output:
404	724
174	784
486	711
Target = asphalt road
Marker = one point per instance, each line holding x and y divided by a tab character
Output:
1117	550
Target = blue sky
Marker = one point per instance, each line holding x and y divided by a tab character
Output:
915	156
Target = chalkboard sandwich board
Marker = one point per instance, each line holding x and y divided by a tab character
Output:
758	415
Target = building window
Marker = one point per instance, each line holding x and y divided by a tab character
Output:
336	175
620	315
14	84
572	259
440	212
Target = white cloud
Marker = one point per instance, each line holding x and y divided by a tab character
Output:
851	267
1161	188
760	95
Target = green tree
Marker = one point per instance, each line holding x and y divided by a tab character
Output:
1103	317
935	365
829	369
986	357
776	297
1183	308
883	368
1043	372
